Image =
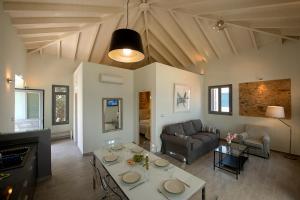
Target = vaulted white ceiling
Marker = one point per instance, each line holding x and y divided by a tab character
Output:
175	32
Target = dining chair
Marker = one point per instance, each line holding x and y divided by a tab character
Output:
103	182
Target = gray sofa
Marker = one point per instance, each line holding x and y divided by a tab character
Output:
188	139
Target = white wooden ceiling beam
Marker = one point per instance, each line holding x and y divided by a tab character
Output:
29	6
108	43
147	34
166	46
209	41
35	45
290	32
76	32
263	14
164	53
38	39
77	45
249	28
94	36
46	30
175	40
270	23
134	21
200	51
230	41
55	20
157	56
252	36
58	49
231	6
179	4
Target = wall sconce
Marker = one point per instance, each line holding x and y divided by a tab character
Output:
9	80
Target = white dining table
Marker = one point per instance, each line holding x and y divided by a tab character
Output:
152	178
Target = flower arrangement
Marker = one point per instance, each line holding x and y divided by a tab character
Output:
230	137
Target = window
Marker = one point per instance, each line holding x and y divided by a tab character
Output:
220	99
60	104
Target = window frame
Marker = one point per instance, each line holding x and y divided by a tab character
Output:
54	104
219	87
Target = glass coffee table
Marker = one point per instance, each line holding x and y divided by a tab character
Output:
231	158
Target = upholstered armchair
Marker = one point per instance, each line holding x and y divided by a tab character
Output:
257	139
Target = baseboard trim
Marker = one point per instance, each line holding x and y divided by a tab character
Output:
88	154
63	137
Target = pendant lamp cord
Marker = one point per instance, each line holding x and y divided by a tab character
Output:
127	13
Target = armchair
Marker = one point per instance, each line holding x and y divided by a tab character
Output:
257	139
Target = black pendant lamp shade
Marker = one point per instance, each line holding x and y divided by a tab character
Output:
126	46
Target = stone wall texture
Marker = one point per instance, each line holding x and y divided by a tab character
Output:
256	96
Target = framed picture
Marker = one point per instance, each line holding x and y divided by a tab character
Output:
182	97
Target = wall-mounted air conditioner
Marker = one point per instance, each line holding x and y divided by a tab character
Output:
109	78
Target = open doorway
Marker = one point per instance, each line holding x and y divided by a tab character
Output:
29	109
145	119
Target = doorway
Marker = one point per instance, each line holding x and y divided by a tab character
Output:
145	119
29	109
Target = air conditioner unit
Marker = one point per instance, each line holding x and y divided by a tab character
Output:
108	78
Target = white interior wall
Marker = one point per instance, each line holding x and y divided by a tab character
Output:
45	71
144	80
159	79
12	61
166	77
270	63
93	92
78	112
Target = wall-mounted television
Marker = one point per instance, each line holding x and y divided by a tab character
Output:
112	102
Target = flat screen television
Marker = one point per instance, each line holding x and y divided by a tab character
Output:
112	102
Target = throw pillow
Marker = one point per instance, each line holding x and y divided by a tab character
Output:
174	128
189	128
197	125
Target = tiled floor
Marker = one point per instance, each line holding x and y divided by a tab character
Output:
273	179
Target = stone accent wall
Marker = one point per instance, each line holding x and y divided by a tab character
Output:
256	96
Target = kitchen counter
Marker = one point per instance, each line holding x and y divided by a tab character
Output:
21	183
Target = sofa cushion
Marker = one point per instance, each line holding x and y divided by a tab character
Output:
188	128
210	140
185	137
254	143
196	144
206	136
197	125
174	128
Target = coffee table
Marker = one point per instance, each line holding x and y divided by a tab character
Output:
231	158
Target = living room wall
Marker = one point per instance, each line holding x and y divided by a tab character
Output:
45	71
271	62
12	61
90	92
160	79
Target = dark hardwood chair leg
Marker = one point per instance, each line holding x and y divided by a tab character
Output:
203	193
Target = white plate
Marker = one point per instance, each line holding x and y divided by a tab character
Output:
110	158
131	177
137	150
174	186
117	147
161	162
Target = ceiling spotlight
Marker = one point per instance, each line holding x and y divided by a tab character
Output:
219	26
